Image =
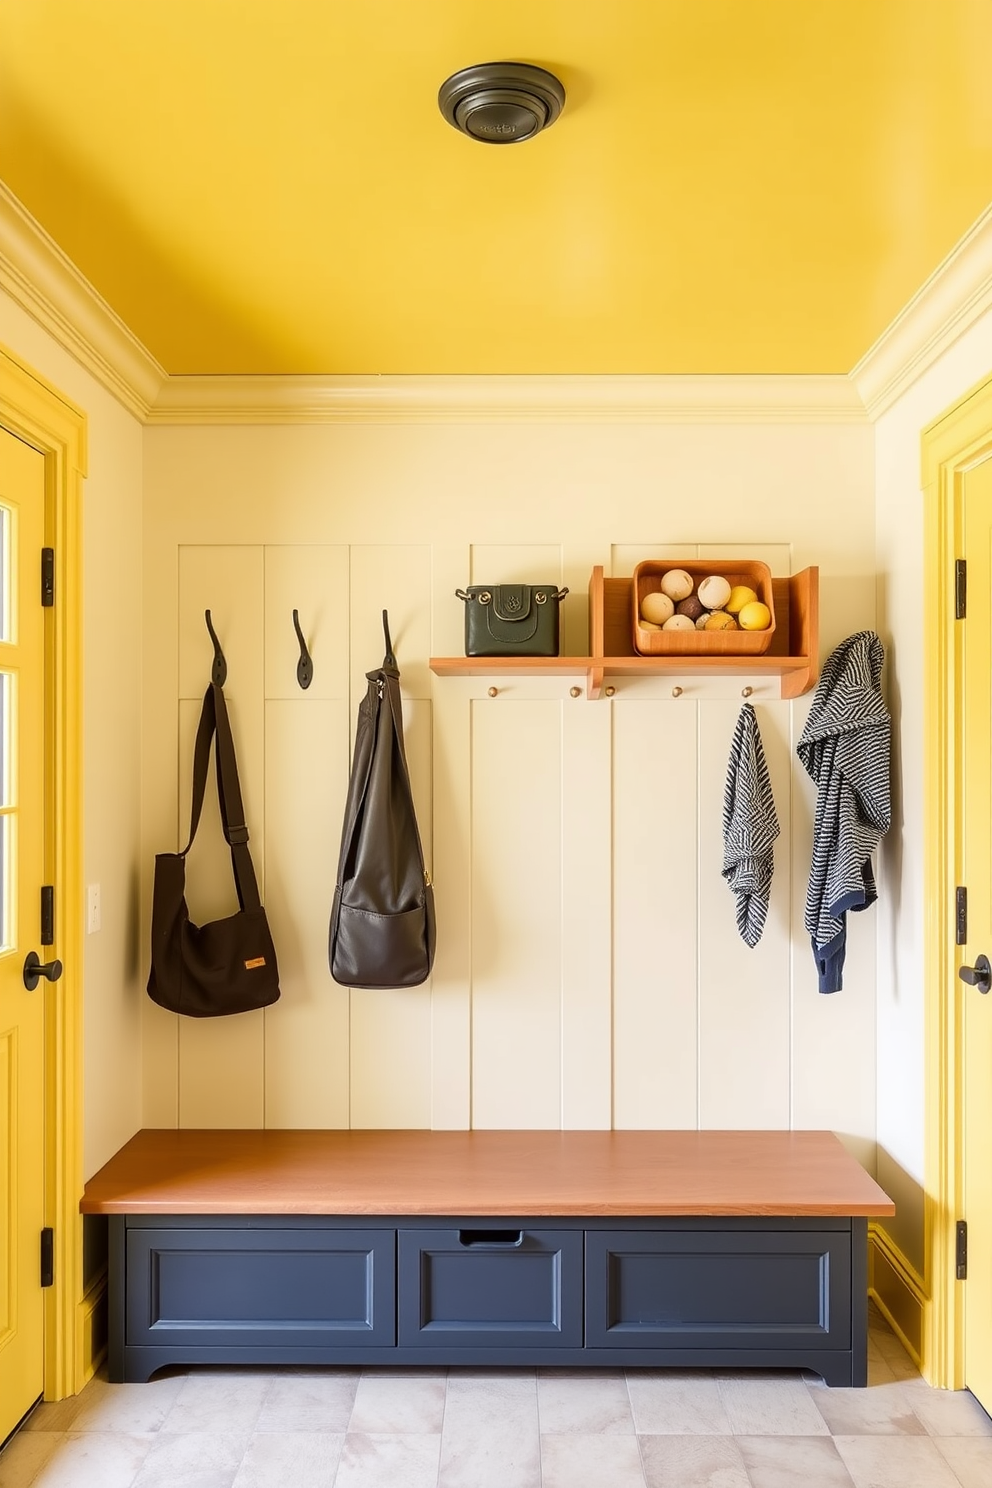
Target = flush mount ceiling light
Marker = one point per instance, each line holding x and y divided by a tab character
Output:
500	103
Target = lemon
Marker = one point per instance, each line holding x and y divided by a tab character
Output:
755	616
740	596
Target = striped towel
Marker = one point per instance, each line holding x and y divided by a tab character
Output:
750	826
845	749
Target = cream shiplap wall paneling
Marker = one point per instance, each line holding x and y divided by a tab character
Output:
588	971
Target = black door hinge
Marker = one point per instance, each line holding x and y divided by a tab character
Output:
961	916
47	577
47	935
960	588
961	1250
48	1257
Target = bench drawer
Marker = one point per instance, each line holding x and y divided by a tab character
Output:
496	1285
222	1287
706	1289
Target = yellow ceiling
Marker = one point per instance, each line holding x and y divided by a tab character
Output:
268	185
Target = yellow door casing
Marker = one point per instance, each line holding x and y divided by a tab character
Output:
974	830
22	859
40	420
957	482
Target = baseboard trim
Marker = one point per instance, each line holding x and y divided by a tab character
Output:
91	1328
898	1291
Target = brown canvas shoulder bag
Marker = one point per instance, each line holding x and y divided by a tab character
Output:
229	965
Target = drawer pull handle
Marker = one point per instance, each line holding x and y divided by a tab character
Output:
491	1237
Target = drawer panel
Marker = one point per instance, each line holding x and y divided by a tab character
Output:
707	1289
496	1285
306	1286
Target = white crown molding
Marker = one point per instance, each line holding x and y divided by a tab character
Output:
957	292
47	285
508	399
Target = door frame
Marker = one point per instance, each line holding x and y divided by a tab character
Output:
951	445
39	414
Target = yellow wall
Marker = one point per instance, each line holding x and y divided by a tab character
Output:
112	685
589	967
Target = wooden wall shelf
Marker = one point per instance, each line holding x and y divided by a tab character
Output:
792	657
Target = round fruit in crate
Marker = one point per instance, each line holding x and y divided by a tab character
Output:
691	606
657	607
755	616
740	596
677	584
713	591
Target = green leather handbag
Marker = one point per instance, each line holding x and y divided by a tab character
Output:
511	619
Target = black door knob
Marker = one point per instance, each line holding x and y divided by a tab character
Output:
35	969
979	975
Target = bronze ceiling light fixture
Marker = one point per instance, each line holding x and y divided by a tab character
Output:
500	103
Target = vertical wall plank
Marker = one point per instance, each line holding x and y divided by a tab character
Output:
391	1030
743	993
221	1060
307	1030
451	1012
654	913
306	780
516	912
160	820
587	982
391	1058
451	569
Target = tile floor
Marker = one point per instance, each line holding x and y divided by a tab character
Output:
476	1428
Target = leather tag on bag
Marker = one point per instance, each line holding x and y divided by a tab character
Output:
251	965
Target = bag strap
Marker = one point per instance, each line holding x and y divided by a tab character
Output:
215	724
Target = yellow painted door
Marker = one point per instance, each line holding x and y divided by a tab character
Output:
975	826
22	858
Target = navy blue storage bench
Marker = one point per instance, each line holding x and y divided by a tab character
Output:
728	1249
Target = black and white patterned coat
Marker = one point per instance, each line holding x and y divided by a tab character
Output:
845	748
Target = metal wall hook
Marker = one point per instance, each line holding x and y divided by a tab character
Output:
304	667
390	658
746	692
218	672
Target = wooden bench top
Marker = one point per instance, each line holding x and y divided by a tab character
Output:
468	1173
